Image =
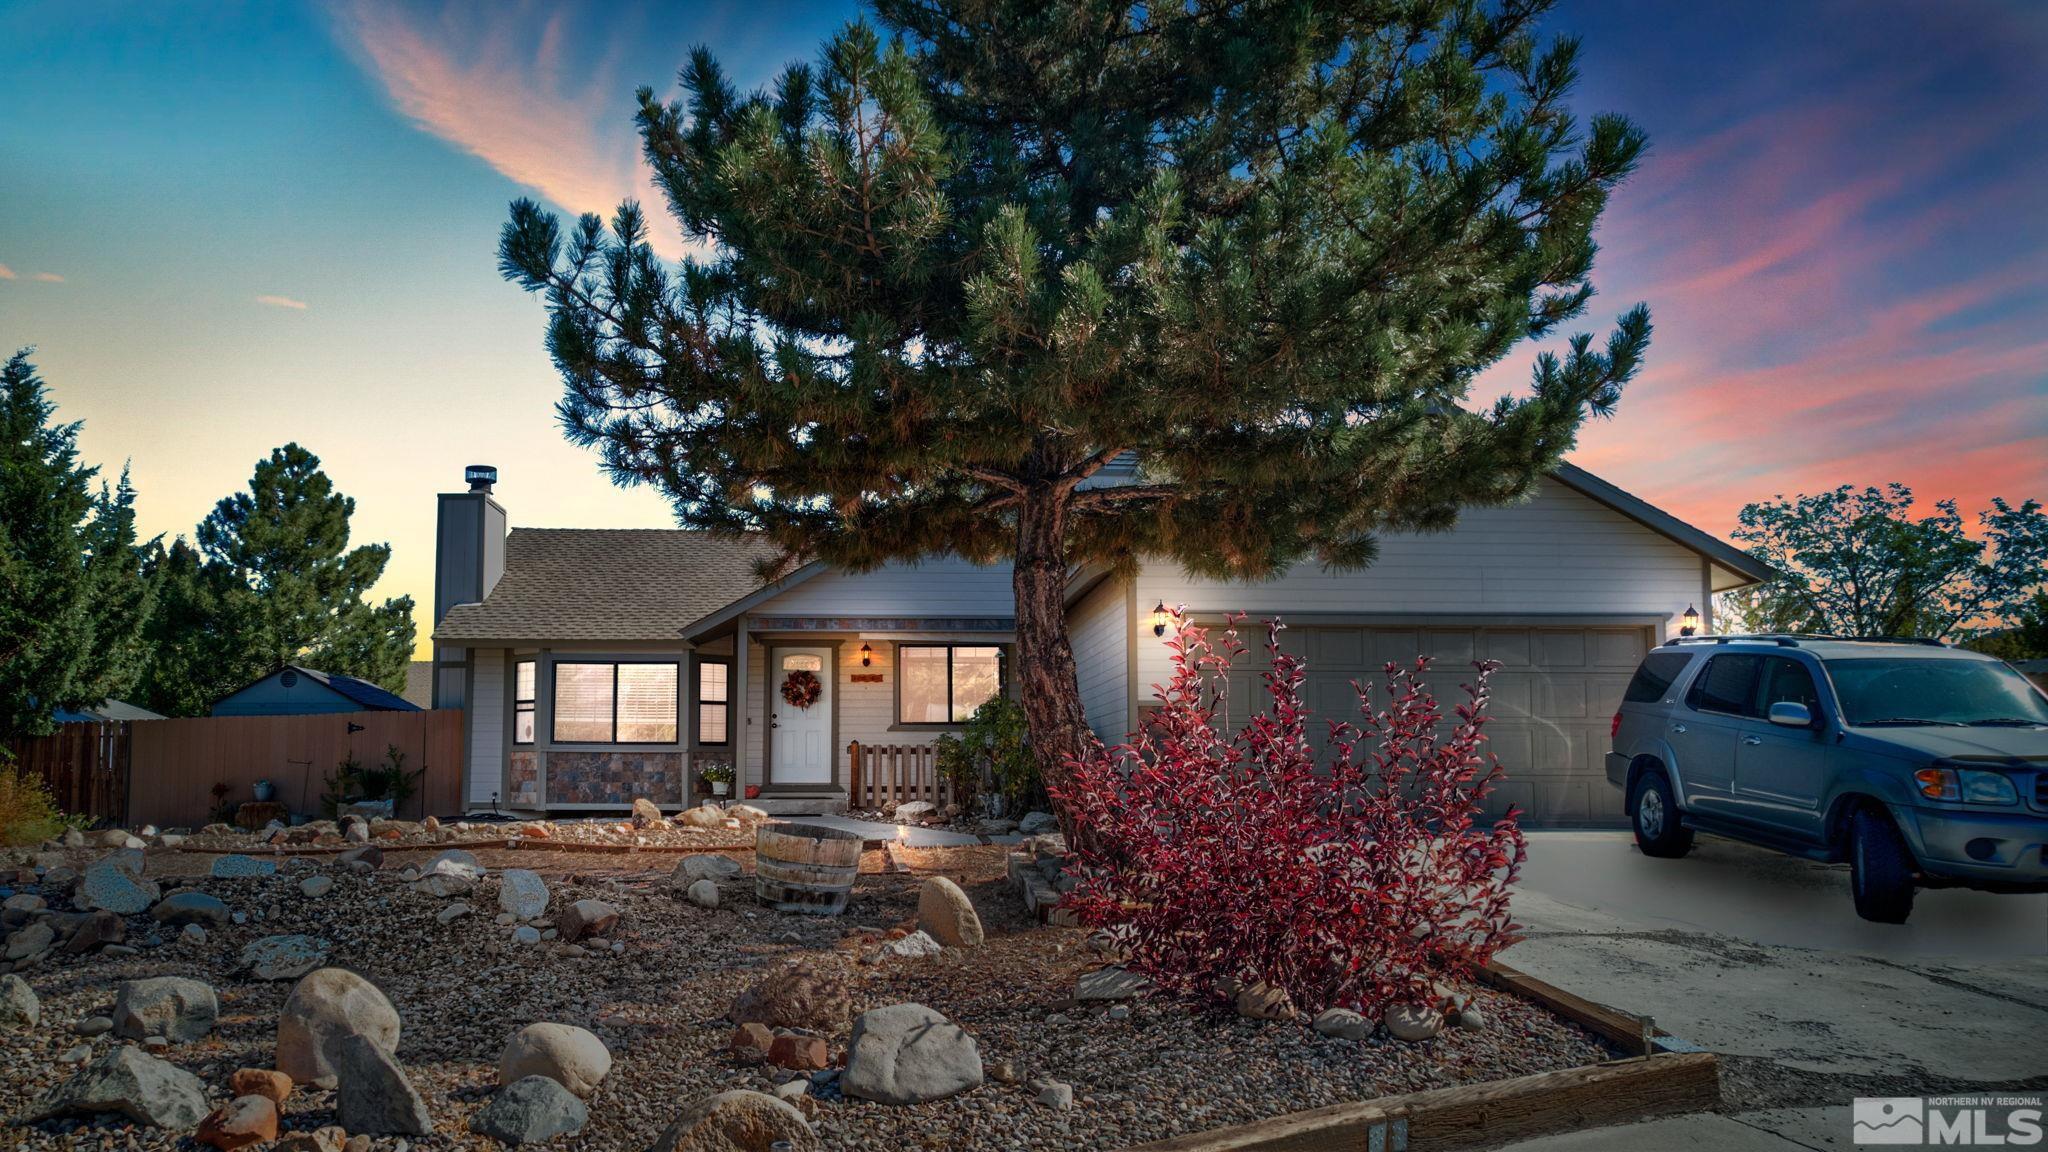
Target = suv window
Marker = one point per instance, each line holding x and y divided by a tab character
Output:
1726	684
1786	679
1654	678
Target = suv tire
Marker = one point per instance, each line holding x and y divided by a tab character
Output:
1654	815
1880	868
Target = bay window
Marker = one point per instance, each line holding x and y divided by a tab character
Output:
945	683
615	702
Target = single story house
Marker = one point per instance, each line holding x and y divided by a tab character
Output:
293	690
598	665
105	711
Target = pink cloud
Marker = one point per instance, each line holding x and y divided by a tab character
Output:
49	278
7	273
495	82
282	302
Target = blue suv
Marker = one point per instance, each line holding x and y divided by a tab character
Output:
1922	765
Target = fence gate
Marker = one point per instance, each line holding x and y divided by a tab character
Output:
85	767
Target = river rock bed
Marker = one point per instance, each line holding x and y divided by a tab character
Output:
657	989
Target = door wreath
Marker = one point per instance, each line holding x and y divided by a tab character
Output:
801	689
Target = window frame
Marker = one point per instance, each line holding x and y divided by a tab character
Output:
555	713
697	695
1002	680
1695	692
528	706
1763	686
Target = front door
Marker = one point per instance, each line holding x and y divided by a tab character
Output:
800	716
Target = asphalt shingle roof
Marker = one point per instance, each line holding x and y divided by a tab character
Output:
608	584
371	697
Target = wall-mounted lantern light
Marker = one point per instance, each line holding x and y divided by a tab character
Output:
1689	624
867	656
1161	617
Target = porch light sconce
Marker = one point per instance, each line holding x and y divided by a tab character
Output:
1689	624
1161	617
867	656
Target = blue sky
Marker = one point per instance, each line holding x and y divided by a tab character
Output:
228	225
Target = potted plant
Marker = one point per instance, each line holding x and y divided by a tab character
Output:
718	776
265	791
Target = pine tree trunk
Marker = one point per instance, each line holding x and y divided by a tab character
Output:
1048	686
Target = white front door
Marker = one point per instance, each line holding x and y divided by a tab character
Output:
801	752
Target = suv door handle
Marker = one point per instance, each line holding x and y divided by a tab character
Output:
1679	728
1752	740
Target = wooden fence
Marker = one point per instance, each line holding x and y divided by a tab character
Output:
85	766
883	775
162	772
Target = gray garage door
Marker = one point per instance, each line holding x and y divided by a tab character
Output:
1553	699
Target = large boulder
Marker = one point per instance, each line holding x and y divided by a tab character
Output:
645	813
704	866
1413	1022
908	1054
190	907
173	1007
133	1083
1343	1023
283	957
945	912
571	1056
736	1121
29	940
97	930
111	888
811	994
522	893
530	1110
239	1123
1035	822
704	894
324	1008
19	1008
703	816
586	918
373	1096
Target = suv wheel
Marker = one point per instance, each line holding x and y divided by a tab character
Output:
1655	815
1880	868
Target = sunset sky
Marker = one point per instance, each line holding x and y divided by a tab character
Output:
229	225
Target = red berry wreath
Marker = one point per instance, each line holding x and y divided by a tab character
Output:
801	689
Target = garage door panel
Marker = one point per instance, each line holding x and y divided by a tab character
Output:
1556	649
1394	646
1449	649
1618	650
1512	647
1334	649
1562	695
1514	695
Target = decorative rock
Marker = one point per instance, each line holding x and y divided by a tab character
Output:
19	1007
323	1008
453	912
328	1139
1265	1002
243	1121
98	930
1035	822
587	918
645	813
374	1096
804	994
177	1009
530	1110
703	816
133	1083
241	867
76	1055
704	894
913	946
1053	1094
356	833
908	1054
526	934
1470	1017
454	861
1113	983
192	934
704	866
190	908
793	1090
23	902
110	888
283	957
1342	1023
94	1026
798	1050
272	1086
736	1121
571	1056
522	893
751	1041
32	940
442	885
368	854
748	814
314	887
1409	1022
915	812
944	911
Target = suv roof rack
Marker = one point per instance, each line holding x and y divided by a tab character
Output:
1792	639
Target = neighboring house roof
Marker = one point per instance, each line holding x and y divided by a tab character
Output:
419	684
608	584
364	694
106	710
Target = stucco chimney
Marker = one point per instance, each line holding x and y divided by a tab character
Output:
469	557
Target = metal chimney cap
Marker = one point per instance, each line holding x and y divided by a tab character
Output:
480	477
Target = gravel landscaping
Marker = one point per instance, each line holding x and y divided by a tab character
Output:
655	990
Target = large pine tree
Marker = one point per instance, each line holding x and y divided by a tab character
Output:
1260	248
72	596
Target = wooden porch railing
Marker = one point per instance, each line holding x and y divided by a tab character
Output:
884	775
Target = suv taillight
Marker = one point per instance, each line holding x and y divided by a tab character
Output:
1614	729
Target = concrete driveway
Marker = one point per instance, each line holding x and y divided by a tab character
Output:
1760	957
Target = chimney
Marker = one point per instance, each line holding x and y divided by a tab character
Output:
469	557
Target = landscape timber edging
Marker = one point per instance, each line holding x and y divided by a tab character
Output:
1496	1112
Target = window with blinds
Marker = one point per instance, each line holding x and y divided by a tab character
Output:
613	702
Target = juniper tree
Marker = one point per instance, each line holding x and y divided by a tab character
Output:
957	266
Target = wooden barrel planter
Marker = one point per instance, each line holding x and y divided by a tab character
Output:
805	867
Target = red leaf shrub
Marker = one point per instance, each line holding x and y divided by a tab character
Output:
1224	860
